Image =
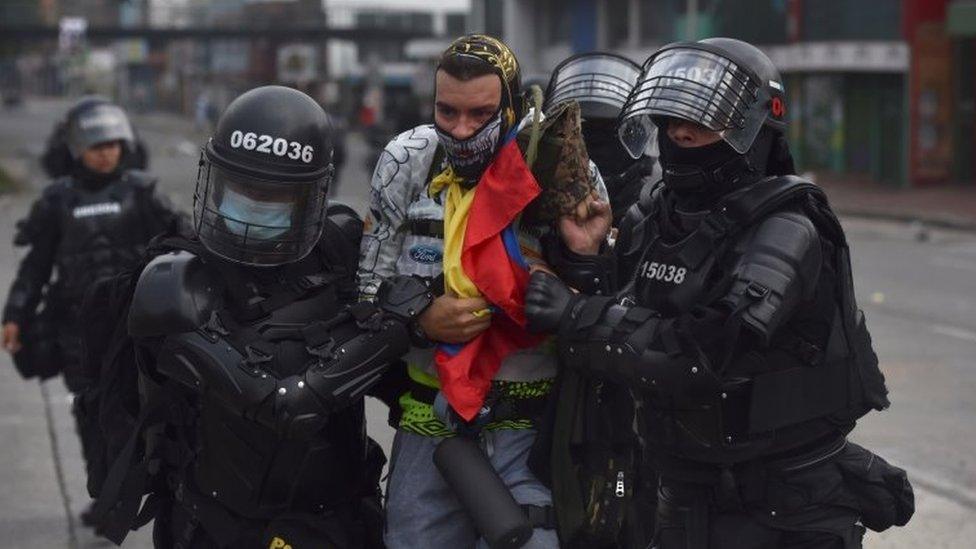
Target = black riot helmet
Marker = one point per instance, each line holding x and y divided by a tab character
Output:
726	85
261	187
94	120
600	82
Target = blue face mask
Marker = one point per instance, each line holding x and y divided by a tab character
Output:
260	220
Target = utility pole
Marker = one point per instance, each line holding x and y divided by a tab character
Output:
691	17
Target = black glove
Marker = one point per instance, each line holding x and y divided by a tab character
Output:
547	299
404	298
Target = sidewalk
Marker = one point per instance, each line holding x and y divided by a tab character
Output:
947	206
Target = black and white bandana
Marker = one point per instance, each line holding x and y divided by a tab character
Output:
470	157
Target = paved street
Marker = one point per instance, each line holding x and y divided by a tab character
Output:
918	289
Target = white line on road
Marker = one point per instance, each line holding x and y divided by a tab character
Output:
952	331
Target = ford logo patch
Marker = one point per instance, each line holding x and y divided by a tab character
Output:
422	253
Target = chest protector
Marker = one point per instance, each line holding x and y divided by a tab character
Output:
787	391
245	365
102	232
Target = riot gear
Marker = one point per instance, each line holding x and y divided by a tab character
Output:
601	84
271	363
93	121
59	159
734	324
726	85
261	188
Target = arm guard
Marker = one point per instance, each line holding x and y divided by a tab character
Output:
175	300
635	347
590	274
778	271
294	406
39	231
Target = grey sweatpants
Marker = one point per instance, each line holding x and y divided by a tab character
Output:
422	511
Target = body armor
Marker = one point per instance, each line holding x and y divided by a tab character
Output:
102	232
83	234
746	340
278	389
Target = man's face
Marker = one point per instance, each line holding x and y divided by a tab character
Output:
687	134
461	108
103	157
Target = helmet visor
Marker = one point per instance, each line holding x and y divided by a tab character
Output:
99	124
255	221
699	86
601	79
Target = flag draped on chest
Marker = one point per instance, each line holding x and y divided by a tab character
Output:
482	258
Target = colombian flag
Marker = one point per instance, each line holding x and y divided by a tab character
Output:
482	257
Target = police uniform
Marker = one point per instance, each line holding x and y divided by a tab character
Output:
253	356
735	328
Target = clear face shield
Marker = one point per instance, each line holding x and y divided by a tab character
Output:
600	82
255	221
700	86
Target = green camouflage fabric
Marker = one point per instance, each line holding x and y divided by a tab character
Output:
561	166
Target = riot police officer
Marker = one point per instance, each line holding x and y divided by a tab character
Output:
737	331
252	358
57	159
92	222
601	82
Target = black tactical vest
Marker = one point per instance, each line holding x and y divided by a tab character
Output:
232	458
774	397
103	232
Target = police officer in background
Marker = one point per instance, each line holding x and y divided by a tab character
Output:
253	359
58	160
92	222
738	332
600	83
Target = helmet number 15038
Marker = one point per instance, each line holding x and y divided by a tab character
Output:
277	146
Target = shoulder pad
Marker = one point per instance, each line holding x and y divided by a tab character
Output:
175	294
140	178
779	268
346	219
749	205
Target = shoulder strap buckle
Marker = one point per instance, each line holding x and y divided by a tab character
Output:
215	327
255	356
309	282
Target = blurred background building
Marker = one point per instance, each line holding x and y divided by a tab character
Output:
883	90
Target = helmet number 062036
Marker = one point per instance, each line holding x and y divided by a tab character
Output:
277	146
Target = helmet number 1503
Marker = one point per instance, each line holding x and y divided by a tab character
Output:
277	146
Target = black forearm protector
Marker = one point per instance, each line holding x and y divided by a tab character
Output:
176	302
590	274
39	231
635	347
297	405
